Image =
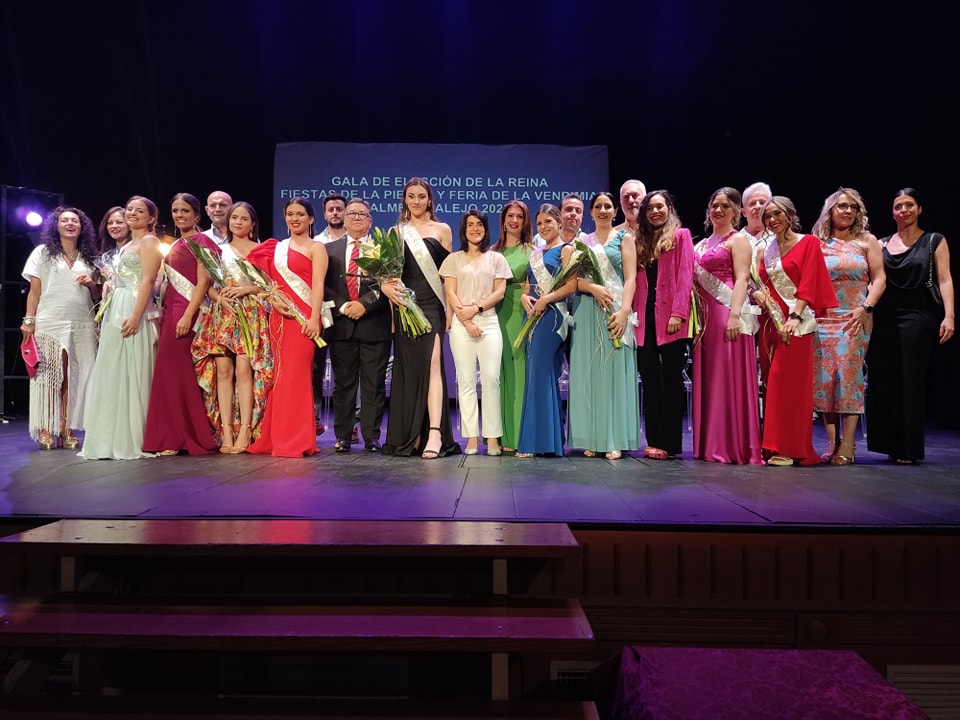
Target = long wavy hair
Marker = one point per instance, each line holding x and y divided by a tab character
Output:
652	241
526	230
107	243
415	182
86	240
823	227
254	234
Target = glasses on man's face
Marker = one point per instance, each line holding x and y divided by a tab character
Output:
843	207
357	215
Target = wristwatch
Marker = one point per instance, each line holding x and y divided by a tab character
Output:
794	316
480	307
867	308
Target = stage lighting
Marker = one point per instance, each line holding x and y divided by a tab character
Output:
25	209
34	219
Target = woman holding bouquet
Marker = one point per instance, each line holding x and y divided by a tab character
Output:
119	390
297	265
726	417
795	282
232	354
662	303
59	327
541	424
604	406
176	418
419	419
515	243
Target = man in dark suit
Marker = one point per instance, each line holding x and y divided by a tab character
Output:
360	336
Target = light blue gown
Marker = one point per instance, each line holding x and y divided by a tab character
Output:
603	408
119	390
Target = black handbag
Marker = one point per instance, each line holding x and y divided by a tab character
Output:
933	288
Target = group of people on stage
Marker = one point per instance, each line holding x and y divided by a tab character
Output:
211	345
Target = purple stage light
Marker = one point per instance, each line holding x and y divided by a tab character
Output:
33	218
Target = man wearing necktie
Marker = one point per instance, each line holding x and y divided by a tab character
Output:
360	336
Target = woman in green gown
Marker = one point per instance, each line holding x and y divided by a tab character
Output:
516	243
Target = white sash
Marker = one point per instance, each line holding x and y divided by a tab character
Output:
179	282
723	293
613	283
418	248
786	289
544	281
297	283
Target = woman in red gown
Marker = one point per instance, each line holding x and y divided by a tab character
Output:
797	284
297	265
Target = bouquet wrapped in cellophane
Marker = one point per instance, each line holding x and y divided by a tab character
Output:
382	259
271	292
211	263
590	270
772	309
571	268
106	264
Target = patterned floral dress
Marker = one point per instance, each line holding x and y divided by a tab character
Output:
838	355
220	333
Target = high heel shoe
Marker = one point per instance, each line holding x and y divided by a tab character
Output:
240	446
70	441
432	454
493	450
841	457
46	441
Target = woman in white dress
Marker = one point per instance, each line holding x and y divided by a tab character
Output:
59	326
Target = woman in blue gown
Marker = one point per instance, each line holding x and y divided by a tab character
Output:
541	426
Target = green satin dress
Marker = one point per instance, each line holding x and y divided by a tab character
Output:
514	367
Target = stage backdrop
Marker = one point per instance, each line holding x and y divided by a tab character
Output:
462	177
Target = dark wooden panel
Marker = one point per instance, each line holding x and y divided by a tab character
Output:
560	626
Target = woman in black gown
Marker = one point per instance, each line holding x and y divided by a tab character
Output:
904	326
419	418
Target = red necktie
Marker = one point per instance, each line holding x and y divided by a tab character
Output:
353	282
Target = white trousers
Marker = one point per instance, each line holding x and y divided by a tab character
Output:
487	350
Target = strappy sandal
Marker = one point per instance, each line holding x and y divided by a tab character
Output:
589	453
780	461
613	455
46	441
523	455
241	447
843	459
432	454
827	455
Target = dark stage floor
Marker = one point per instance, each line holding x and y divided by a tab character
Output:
575	489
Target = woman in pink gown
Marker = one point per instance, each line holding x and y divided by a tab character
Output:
726	418
176	417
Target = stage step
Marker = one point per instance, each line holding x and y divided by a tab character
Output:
104	554
206	708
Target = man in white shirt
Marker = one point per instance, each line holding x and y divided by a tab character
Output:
360	336
632	193
755	197
333	208
334	205
218	210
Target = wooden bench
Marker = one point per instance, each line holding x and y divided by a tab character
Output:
85	622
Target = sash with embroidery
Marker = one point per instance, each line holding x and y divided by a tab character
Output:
297	283
786	289
544	281
178	281
418	248
613	283
723	293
